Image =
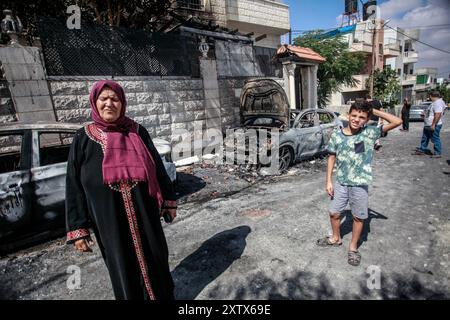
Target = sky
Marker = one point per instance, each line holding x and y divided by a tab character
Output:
432	17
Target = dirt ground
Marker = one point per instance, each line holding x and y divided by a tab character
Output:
243	236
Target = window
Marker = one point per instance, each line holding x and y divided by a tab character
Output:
307	120
324	118
54	147
10	152
190	4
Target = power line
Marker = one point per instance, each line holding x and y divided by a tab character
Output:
429	45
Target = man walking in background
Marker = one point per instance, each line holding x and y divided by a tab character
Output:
432	127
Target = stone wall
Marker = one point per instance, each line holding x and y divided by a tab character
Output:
25	72
161	105
7	111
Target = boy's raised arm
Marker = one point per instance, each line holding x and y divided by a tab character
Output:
392	120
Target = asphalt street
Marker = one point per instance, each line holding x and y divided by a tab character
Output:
258	242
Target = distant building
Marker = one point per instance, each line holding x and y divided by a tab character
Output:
426	80
360	39
401	55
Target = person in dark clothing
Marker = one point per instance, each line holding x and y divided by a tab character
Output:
117	184
405	114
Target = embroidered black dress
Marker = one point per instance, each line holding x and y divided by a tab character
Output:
124	217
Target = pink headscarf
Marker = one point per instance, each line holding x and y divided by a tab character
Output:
126	157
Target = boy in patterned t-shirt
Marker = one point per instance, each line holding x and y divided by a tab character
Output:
351	149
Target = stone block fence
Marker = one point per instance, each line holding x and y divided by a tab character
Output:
161	104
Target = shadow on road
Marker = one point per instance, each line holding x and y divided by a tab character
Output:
347	225
188	184
303	285
208	262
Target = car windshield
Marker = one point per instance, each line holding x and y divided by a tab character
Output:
418	107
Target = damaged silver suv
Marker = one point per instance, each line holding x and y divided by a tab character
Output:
303	133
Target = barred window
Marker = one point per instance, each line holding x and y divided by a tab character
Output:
191	4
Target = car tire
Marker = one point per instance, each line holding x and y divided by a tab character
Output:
285	158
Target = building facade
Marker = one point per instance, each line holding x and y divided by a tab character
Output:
426	81
266	20
401	55
368	38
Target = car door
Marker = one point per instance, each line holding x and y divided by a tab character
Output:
308	134
15	186
327	125
49	177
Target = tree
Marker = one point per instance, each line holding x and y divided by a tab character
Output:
444	90
386	86
140	14
339	67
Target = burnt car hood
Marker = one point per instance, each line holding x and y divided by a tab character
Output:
264	98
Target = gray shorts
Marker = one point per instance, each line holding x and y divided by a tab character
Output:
357	196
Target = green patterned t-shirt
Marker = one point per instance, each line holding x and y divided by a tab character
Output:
354	155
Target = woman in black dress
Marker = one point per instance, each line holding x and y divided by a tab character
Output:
117	184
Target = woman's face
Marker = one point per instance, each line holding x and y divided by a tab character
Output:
109	105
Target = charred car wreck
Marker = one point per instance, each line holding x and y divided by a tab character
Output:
303	134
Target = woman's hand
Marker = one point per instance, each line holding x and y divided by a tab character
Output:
169	207
84	245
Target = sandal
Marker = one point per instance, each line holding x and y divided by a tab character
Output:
354	258
326	242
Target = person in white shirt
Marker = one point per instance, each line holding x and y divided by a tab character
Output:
432	127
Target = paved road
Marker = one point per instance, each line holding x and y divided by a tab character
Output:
259	243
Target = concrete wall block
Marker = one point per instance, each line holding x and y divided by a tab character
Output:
8	118
34	104
144	98
178	117
139	110
154	108
165	119
9	55
199	115
32	117
189	116
150	121
176	106
178	85
131	99
132	86
166	107
212	113
194	105
83	101
31	55
159	97
22	88
69	87
212	94
152	131
74	115
212	104
152	86
163	130
178	126
65	102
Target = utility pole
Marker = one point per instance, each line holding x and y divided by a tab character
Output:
374	59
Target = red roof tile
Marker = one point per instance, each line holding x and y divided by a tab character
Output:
303	53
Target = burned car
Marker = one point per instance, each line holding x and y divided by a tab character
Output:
302	133
33	161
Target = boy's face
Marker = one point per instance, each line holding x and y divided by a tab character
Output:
357	119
